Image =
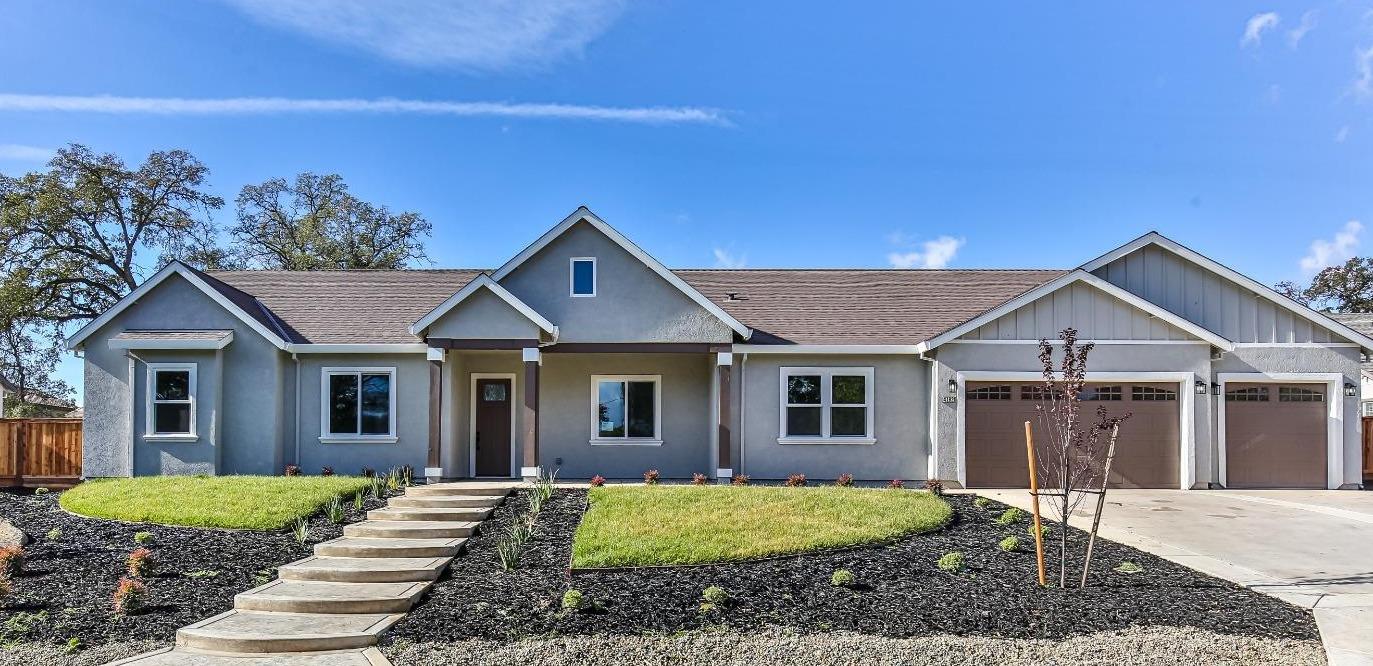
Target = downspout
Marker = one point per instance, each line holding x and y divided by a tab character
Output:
216	412
296	461
931	437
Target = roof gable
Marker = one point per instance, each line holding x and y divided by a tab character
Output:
483	282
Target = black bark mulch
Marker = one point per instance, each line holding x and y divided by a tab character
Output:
901	591
66	588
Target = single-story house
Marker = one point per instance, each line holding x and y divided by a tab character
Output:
584	354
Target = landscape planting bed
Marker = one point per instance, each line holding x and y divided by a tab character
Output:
901	592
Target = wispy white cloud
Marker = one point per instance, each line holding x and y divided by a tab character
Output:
935	253
263	105
725	258
1362	86
1256	26
484	35
1330	252
20	153
1341	134
1295	35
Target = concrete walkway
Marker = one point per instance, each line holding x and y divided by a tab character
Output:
329	609
1310	548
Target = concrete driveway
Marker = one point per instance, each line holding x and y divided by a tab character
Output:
1313	548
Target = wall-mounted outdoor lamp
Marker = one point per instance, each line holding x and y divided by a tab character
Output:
1201	387
1215	389
1350	390
953	387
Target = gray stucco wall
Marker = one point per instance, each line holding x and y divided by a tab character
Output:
1096	314
1145	357
632	303
484	315
901	418
250	432
412	415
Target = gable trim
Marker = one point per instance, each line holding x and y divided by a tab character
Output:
174	268
1078	275
484	282
584	213
1155	238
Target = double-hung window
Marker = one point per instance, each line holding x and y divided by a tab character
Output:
359	404
827	405
171	401
626	410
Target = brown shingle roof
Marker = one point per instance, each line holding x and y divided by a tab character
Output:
343	307
213	335
846	306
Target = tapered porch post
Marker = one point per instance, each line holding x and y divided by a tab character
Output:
724	362
529	432
433	466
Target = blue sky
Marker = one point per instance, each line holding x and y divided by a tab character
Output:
758	134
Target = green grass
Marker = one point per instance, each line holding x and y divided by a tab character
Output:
238	502
649	525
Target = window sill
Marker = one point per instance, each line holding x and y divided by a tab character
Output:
626	441
171	438
354	439
827	440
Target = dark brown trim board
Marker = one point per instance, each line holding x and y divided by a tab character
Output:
636	348
724	431
529	430
481	343
435	413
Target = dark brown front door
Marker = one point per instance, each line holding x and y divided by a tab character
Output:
1275	435
493	427
994	420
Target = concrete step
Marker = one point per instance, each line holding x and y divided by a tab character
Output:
374	547
258	632
429	513
184	656
497	488
411	529
304	596
447	501
365	569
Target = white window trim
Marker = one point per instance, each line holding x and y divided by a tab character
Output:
326	437
572	274
655	440
150	391
1334	424
826	403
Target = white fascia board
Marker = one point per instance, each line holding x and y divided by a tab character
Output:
584	213
484	281
825	349
175	267
358	348
173	344
1155	238
1060	282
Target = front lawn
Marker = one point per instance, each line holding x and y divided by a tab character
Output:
238	502
655	525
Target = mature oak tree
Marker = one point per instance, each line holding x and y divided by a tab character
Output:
1345	288
315	224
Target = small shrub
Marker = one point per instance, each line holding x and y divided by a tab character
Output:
334	510
715	595
326	471
845	480
842	578
54	534
739	480
982	502
72	646
293	470
597	481
896	484
573	600
143	538
1010	544
368	473
202	573
508	551
1128	567
357	502
407	475
21	623
651	477
795	481
11	561
952	562
934	487
378	487
1043	530
301	531
263	576
41	491
1010	516
141	563
393	479
699	479
130	596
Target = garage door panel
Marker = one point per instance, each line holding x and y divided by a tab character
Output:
1275	435
995	413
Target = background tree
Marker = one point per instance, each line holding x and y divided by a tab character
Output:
1344	288
27	361
315	224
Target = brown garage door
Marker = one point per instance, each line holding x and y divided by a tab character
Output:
995	414
1275	435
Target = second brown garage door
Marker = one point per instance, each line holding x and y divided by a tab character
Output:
1275	435
994	431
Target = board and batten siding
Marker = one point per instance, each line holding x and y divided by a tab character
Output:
1095	314
1193	292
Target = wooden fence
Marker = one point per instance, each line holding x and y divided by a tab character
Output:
40	452
1368	447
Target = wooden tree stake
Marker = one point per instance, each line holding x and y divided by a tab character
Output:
1100	503
1034	502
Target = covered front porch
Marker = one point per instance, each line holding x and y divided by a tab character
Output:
516	408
